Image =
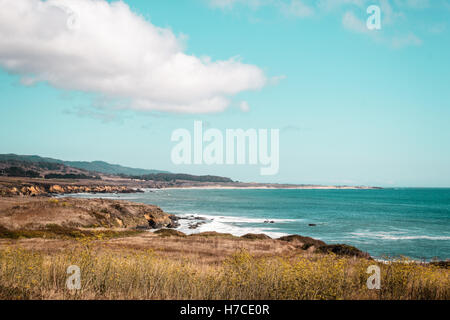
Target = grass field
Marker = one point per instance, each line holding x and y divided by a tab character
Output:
145	274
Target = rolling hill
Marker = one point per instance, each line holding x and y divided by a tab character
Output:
94	166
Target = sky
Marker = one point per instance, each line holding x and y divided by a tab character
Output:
107	80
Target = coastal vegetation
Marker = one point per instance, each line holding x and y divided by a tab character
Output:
35	167
145	274
48	170
93	166
54	231
19	172
12	165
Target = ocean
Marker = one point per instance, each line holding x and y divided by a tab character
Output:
387	223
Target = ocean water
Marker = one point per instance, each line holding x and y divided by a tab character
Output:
387	223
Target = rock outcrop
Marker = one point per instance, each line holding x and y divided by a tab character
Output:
343	250
84	213
256	236
303	242
45	189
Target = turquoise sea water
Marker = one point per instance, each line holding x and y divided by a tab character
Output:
385	223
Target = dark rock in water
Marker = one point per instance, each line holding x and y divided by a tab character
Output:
196	225
343	250
192	217
155	225
254	236
312	224
173	222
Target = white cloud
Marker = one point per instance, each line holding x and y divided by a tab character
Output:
228	4
393	15
222	3
244	106
300	8
413	4
437	28
404	41
105	48
297	8
329	5
446	4
353	23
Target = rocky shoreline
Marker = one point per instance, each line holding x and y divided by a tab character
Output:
20	215
49	217
48	189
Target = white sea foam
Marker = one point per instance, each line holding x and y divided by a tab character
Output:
218	223
396	236
236	219
226	224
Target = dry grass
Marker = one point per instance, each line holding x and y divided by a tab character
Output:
54	231
108	273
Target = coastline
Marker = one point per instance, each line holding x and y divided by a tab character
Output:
11	186
112	237
206	218
36	216
268	187
111	189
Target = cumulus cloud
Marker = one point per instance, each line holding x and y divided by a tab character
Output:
105	48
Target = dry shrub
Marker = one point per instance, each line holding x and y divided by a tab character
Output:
143	274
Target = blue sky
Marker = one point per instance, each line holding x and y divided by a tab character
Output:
353	106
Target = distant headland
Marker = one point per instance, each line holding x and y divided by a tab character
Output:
35	175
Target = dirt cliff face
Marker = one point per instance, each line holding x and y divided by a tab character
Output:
42	189
37	213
